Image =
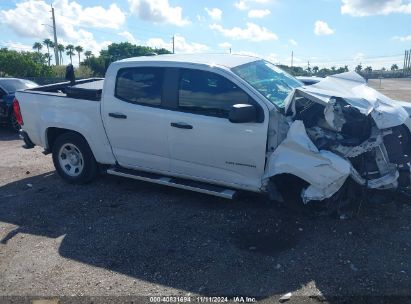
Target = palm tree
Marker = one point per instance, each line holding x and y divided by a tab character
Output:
394	67
88	54
316	69
70	51
48	43
368	69
37	46
79	49
53	46
61	49
48	57
358	68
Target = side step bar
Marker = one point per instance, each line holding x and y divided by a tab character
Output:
174	182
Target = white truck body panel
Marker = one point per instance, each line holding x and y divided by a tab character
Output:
42	111
238	155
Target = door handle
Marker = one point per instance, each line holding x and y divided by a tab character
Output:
117	115
181	125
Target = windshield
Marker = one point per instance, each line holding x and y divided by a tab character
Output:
12	85
266	78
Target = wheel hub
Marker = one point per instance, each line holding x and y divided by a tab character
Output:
71	160
74	159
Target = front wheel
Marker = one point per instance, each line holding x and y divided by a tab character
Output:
73	159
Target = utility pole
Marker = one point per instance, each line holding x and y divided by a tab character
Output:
173	43
56	51
292	58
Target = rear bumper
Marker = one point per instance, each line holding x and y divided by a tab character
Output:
28	144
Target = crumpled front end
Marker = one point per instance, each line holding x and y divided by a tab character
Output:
341	128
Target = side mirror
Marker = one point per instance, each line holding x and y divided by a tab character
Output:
242	113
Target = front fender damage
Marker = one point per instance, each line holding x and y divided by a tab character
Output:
325	171
341	128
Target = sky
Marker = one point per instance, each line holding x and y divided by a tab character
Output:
321	33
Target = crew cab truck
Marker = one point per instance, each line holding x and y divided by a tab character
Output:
216	124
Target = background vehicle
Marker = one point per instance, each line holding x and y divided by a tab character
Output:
8	86
220	123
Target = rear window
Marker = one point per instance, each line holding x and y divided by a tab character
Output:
140	85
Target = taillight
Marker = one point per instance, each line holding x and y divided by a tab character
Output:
17	112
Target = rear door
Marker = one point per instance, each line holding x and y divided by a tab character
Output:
135	119
204	144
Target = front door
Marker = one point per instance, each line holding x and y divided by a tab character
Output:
204	144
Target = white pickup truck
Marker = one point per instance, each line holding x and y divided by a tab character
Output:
218	124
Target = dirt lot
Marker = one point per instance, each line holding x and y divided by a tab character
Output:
399	89
117	237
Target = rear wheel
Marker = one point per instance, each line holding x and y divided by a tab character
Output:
73	159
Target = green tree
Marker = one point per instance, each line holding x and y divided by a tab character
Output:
23	64
48	57
70	52
61	49
48	43
394	67
118	51
79	50
368	69
88	54
358	68
37	46
316	69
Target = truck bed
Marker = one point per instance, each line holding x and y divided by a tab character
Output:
88	89
54	106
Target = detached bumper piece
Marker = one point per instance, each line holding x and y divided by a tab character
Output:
28	144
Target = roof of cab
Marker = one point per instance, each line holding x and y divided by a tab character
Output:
226	60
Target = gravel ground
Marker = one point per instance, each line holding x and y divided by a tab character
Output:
118	237
399	89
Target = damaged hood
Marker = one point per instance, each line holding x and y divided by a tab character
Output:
354	90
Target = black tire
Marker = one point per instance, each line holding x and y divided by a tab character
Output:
14	125
87	161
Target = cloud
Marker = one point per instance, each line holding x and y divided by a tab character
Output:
360	8
214	13
158	11
402	38
180	43
27	19
258	13
252	32
321	28
359	57
69	14
244	4
293	42
241	5
225	45
18	46
129	37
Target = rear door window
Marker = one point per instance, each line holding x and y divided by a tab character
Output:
140	85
